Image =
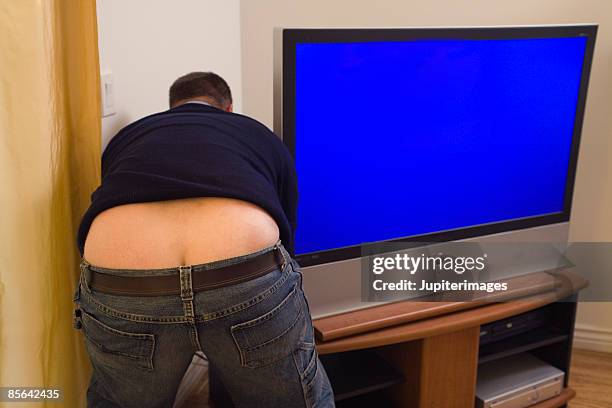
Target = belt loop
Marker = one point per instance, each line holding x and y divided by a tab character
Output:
186	281
279	246
82	264
85	277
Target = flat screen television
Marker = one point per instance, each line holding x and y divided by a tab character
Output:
429	134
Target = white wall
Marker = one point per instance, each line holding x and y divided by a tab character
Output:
592	210
147	44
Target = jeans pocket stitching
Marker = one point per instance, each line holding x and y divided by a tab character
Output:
280	336
307	385
307	346
242	342
147	359
313	361
247	304
131	317
269	315
316	369
240	352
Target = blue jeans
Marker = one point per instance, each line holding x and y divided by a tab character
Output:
258	335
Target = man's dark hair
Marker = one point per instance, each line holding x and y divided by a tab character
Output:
197	84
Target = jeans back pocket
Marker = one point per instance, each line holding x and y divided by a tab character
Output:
114	347
273	335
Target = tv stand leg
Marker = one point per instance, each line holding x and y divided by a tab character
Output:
440	371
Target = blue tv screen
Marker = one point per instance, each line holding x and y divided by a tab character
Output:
404	138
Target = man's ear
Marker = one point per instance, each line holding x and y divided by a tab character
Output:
230	108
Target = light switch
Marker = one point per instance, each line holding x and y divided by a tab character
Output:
108	94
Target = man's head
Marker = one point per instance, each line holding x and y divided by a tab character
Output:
203	86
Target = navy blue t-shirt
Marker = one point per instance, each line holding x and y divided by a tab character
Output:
195	150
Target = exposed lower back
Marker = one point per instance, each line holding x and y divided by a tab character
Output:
178	232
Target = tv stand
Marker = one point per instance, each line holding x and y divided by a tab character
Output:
426	354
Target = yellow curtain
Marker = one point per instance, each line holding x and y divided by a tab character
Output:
49	165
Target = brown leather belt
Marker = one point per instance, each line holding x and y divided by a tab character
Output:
202	278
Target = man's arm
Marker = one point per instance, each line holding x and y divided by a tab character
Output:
289	197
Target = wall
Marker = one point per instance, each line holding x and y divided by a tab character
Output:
147	44
592	215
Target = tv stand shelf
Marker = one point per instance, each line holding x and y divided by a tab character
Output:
534	339
356	373
435	345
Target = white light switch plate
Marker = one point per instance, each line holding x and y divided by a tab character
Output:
108	94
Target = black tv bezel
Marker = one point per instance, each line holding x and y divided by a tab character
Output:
291	37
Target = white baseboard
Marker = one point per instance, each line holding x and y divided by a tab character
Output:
593	338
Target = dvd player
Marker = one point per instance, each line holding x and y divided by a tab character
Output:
517	382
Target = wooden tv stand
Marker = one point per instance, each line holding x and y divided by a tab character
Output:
431	349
